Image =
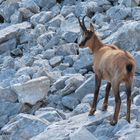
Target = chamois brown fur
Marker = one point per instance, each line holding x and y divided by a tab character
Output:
111	64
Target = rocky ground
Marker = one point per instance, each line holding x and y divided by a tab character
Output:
46	86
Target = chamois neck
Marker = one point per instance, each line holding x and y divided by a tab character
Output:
97	43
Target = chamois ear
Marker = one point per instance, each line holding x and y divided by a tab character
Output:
91	27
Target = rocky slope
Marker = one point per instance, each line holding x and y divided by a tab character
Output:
46	86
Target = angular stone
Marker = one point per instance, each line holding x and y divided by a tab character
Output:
118	12
24	126
7	8
67	9
50	116
41	18
7	95
81	108
67	49
86	88
82	134
64	128
70	102
30	4
46	38
46	3
7	110
72	84
56	60
85	60
33	90
8	45
124	39
12	31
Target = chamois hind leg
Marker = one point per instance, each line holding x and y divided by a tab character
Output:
105	104
115	88
96	93
128	92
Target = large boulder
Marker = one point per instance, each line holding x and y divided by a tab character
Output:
24	126
13	31
33	90
7	110
127	36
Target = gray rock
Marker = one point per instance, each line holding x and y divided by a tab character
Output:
65	128
69	70
82	134
26	13
59	84
118	12
41	18
56	21
69	3
33	90
124	37
51	116
46	38
12	31
5	76
137	59
38	31
56	9
70	37
48	54
136	13
87	8
70	102
85	60
53	75
8	45
88	99
7	8
47	4
81	108
98	18
70	59
16	18
43	63
8	62
7	95
26	71
56	61
31	5
128	3
70	24
67	49
20	79
136	100
67	9
86	88
72	84
24	126
7	110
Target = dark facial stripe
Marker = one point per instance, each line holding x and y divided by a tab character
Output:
86	39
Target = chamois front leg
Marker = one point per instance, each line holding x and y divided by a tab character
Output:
105	104
128	92
115	88
96	93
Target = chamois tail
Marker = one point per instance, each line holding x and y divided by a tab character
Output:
129	68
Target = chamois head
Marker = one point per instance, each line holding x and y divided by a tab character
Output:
87	35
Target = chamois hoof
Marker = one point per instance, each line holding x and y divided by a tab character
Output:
104	108
92	111
128	119
113	122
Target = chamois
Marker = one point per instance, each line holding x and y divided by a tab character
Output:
111	64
